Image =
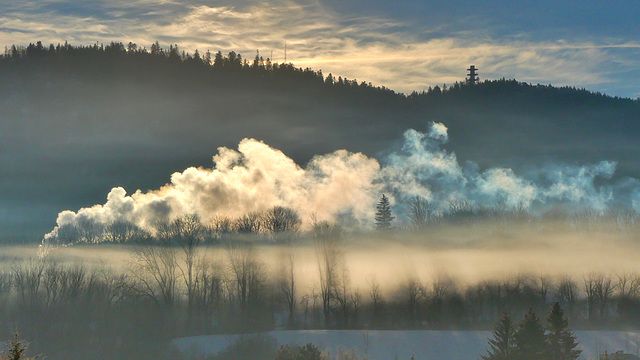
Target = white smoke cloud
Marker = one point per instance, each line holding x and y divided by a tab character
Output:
502	186
253	178
576	184
344	185
439	132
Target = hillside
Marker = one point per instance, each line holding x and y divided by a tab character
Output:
77	121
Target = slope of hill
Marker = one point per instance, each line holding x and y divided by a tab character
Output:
77	121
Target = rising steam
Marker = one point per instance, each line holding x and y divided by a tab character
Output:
343	186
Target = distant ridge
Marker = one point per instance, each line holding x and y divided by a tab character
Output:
118	58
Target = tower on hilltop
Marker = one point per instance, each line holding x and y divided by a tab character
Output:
472	75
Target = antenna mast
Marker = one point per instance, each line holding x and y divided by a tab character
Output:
285	51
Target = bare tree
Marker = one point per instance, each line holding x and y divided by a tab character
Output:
221	225
287	282
623	218
209	288
122	231
27	279
356	302
5	283
165	232
154	269
328	242
189	234
587	219
628	284
66	234
488	296
413	293
520	289
342	296
90	230
604	292
247	272
62	284
568	293
114	286
421	212
460	210
249	223
281	219
599	289
441	286
544	284
375	294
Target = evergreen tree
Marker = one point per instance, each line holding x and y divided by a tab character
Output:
383	214
502	346
218	61
530	338
561	341
15	349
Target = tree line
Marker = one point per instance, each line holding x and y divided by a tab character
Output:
116	57
530	340
128	57
167	292
281	223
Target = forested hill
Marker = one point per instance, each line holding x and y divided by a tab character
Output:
76	121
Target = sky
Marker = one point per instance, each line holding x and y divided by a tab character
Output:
403	45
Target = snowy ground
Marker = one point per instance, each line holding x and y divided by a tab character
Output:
432	345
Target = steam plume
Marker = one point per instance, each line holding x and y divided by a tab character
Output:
344	186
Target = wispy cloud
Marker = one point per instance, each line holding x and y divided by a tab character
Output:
383	50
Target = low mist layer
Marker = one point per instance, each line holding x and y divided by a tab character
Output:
452	273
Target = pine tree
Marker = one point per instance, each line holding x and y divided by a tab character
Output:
383	214
15	349
530	338
561	341
502	346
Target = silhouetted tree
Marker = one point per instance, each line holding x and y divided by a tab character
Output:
561	342
502	346
530	338
15	349
189	234
154	270
421	212
383	214
412	292
328	241
249	223
247	273
599	290
280	219
287	282
377	302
